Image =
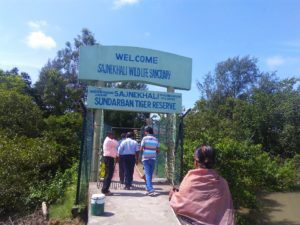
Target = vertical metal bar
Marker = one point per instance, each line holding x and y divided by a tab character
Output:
81	152
181	130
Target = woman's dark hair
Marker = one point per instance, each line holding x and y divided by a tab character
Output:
206	156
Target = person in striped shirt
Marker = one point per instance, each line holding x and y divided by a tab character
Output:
149	149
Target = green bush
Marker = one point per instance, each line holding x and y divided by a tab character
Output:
66	131
53	190
25	163
19	114
248	170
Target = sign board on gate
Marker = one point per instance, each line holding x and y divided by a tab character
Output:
120	63
133	100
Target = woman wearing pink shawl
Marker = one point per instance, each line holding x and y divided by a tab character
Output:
203	195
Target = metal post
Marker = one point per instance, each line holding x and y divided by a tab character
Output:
98	123
181	131
171	138
84	112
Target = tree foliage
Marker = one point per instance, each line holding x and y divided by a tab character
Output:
264	110
66	131
55	97
40	128
252	119
22	166
12	82
18	112
59	78
35	152
234	78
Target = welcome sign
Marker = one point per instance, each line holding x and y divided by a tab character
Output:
133	100
121	63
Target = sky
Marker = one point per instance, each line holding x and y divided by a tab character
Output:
208	31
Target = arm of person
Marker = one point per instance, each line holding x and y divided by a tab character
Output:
137	157
142	146
172	191
157	147
182	189
115	145
120	148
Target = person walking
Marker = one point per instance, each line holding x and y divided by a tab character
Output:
121	170
109	154
149	149
128	152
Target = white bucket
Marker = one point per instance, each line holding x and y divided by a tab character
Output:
97	204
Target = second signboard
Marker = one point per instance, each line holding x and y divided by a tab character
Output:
133	100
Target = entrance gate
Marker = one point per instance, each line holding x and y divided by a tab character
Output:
117	64
168	165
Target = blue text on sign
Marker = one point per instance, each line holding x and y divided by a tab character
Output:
137	58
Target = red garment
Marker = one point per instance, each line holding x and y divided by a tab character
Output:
205	197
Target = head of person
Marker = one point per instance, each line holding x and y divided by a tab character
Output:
110	134
129	135
123	135
206	157
148	130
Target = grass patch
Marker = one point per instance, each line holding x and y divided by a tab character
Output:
62	209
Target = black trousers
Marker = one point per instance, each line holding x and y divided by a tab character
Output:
121	171
109	172
127	163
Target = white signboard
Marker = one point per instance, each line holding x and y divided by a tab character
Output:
133	100
121	63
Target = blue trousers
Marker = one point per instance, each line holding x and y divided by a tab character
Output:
149	165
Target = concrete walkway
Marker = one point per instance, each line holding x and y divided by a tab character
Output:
133	207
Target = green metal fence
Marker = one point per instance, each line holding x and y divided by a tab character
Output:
164	158
85	157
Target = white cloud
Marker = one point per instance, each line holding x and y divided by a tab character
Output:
120	3
39	40
275	61
37	24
